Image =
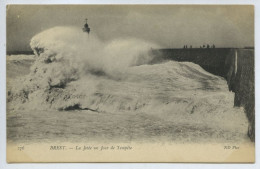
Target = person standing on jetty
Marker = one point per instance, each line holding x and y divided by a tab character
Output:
86	27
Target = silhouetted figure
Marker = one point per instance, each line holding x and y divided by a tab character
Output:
86	27
213	46
190	46
203	46
207	45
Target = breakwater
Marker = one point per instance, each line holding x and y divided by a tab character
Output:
236	65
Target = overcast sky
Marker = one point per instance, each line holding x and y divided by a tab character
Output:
167	25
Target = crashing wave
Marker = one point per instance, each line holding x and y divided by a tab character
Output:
72	71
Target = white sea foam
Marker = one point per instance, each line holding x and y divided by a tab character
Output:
74	71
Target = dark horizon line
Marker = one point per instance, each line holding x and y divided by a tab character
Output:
13	52
246	47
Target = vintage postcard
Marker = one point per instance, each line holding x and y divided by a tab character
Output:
130	83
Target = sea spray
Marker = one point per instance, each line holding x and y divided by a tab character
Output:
72	71
66	54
